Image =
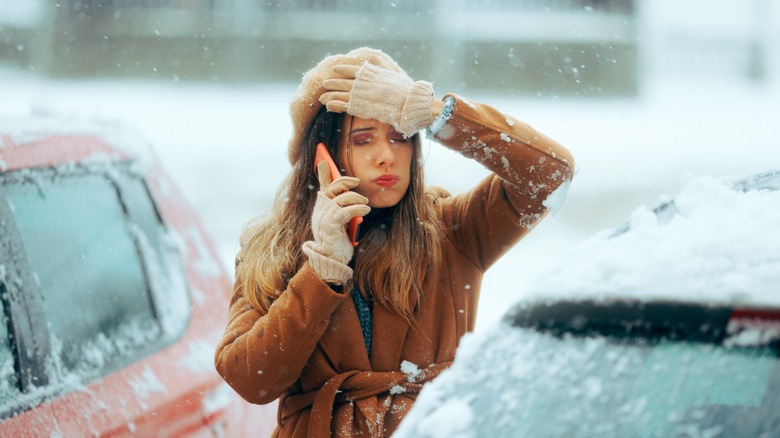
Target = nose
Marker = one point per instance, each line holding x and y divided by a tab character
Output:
385	155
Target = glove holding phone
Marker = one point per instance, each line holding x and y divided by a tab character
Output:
336	205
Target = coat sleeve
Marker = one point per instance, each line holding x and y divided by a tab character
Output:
261	355
527	168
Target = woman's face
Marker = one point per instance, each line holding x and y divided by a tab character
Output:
380	157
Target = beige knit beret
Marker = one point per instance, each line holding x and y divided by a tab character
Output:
305	102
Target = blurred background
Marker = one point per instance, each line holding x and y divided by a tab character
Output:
643	92
582	47
480	44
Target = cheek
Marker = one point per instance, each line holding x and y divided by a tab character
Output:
406	155
407	164
357	166
363	189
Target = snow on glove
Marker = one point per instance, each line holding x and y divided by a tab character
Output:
391	97
331	250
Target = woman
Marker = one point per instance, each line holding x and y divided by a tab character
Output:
346	336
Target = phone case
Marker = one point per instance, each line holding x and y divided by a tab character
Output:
322	154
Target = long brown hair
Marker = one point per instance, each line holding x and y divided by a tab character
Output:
391	263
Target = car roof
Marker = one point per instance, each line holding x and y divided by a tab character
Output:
45	141
715	243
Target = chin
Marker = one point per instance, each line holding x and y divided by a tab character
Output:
384	202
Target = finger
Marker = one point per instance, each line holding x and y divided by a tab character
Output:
341	185
346	71
334	95
350	198
323	175
338	84
357	210
337	106
378	61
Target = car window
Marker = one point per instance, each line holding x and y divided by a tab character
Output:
160	249
107	281
95	297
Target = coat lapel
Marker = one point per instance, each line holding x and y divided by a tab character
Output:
343	341
387	339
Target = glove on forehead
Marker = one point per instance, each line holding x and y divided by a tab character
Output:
305	103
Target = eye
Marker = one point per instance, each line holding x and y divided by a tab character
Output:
397	137
362	138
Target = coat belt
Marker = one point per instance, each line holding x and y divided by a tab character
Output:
360	387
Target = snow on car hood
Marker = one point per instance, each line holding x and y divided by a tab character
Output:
720	245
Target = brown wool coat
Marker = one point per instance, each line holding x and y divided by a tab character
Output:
308	349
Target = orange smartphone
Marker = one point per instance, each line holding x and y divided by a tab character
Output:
322	154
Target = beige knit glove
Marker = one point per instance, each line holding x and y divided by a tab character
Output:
331	250
391	97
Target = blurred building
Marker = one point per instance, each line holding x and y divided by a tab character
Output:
552	47
563	46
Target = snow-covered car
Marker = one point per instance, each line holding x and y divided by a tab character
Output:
112	296
666	326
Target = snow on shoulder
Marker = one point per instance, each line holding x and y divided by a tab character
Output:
716	242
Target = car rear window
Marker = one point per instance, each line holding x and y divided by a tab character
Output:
664	388
520	382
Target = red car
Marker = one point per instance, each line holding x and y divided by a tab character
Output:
112	295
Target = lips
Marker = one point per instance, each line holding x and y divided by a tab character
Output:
386	180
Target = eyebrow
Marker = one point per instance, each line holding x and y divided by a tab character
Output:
369	128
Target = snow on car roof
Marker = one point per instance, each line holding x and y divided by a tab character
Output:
719	243
20	131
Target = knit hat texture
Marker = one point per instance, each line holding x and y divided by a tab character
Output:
305	103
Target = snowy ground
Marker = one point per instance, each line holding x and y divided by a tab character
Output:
226	148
